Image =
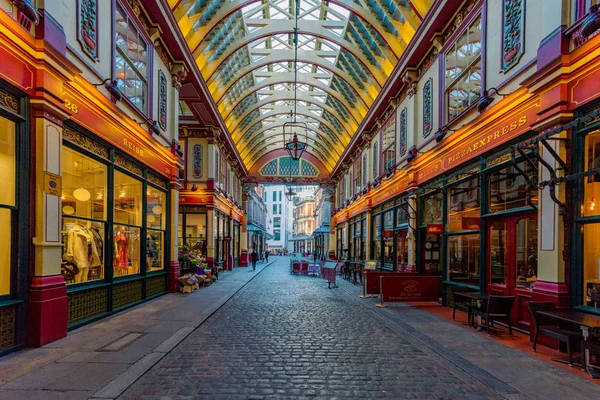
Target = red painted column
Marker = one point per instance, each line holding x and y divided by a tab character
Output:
47	310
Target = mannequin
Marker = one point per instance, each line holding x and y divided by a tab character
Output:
121	257
82	250
134	252
150	251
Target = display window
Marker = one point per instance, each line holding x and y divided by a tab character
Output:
94	248
8	180
463	258
432	209
128	224
590	213
156	204
507	188
83	217
377	225
388	239
463	206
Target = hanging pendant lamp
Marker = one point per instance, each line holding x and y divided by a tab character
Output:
295	147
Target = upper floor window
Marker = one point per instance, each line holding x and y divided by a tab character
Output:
463	70
388	144
358	175
131	60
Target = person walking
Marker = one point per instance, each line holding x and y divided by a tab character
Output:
254	258
267	256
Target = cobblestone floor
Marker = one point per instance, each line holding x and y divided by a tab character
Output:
289	336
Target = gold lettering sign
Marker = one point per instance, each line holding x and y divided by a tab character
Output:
133	147
482	144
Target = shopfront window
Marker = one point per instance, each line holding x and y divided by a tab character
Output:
591	265
156	225
463	258
591	200
463	206
8	180
507	188
377	228
127	229
83	217
498	252
388	239
432	209
526	252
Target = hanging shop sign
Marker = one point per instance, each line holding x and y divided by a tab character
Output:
435	229
227	238
388	234
477	144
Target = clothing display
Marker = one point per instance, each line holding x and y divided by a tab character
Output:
121	257
134	251
82	250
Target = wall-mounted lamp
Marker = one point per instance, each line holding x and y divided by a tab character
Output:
154	128
592	23
412	154
486	99
179	151
441	134
194	188
112	87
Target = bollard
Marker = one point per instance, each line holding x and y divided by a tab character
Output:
381	304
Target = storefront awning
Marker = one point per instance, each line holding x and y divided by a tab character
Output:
299	237
254	228
268	236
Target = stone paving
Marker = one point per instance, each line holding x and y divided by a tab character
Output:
287	336
104	358
272	335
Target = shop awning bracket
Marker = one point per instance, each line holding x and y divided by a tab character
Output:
412	213
530	182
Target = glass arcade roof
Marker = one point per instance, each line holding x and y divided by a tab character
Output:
346	51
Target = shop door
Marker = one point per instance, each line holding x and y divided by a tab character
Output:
401	251
512	262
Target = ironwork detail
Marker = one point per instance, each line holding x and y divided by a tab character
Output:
83	141
87	27
156	285
127	293
402	145
8	320
427	107
197	171
157	181
270	168
288	166
87	304
9	101
308	170
162	100
513	33
128	165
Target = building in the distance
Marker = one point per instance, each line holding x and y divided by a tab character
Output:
279	217
304	219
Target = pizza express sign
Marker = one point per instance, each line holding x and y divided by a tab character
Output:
479	144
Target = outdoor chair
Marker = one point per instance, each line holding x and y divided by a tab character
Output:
462	305
592	347
498	309
548	327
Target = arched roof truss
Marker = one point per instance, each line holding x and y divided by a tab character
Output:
346	51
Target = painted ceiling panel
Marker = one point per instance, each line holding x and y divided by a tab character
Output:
346	50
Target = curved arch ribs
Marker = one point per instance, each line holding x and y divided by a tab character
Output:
347	49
